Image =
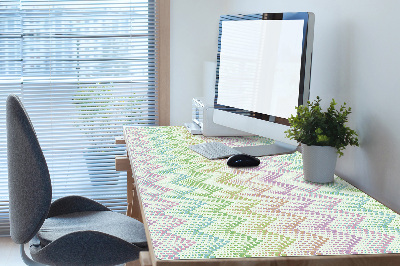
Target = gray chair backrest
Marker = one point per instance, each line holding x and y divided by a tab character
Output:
29	183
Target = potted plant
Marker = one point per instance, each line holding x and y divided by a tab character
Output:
97	107
323	135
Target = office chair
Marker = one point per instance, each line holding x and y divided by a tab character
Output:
70	231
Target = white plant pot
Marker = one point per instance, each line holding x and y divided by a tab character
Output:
319	163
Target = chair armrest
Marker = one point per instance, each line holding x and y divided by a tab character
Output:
72	204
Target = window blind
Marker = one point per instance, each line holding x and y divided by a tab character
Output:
83	69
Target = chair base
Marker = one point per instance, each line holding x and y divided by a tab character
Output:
26	259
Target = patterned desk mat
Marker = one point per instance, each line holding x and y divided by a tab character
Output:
196	208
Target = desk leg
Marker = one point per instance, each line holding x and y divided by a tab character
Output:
133	263
129	193
132	197
133	209
144	260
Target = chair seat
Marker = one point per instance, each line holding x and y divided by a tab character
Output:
108	222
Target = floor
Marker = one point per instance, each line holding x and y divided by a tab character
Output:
9	253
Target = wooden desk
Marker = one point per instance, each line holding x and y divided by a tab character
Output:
201	212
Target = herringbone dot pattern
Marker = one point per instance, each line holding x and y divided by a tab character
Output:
196	208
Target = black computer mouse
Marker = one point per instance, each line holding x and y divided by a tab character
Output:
242	160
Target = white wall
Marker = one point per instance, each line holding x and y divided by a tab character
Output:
194	41
356	59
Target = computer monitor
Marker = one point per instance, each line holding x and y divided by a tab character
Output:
263	73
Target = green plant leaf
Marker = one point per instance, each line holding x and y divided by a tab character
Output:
312	126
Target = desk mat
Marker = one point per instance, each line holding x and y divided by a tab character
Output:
196	208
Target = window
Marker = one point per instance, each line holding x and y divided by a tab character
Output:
83	70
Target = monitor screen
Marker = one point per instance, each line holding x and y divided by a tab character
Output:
260	63
263	71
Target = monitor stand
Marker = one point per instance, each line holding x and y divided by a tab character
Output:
277	148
